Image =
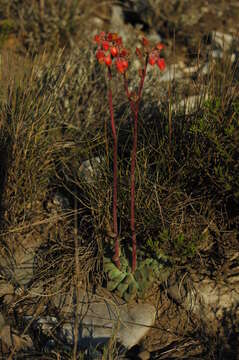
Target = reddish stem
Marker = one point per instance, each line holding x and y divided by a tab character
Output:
135	108
116	257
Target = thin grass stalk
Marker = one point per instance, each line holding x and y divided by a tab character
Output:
77	282
116	257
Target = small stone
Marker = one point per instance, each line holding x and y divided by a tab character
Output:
117	17
222	40
172	73
90	168
216	54
205	70
191	103
154	37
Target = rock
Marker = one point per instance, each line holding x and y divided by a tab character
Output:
190	70
61	201
99	320
233	58
209	299
173	72
90	168
117	17
224	41
205	69
154	37
191	103
217	54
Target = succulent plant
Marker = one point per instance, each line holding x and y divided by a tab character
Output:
128	285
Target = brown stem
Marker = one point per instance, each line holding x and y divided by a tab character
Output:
115	226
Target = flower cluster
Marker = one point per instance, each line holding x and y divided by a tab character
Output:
110	47
152	54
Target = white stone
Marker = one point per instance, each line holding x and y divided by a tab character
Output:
217	54
90	168
154	37
208	298
99	320
172	73
190	70
205	69
233	57
190	103
222	40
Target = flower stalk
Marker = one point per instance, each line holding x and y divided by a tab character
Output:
115	170
110	49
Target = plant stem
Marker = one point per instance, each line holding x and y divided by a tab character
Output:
115	225
135	109
132	190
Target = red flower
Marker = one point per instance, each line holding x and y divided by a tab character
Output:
109	36
118	41
145	41
108	60
161	64
105	45
153	57
122	65
138	52
97	39
123	53
100	55
114	51
159	46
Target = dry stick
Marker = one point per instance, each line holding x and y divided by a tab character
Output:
116	257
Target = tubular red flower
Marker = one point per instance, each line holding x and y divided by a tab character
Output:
161	64
118	41
108	60
97	39
138	52
122	65
114	51
109	36
152	59
145	41
123	53
159	46
100	55
105	45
